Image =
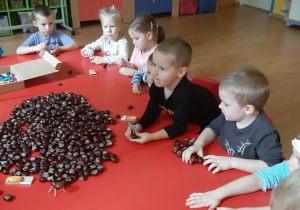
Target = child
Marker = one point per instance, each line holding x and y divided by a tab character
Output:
1	52
171	91
46	38
262	180
146	34
145	77
285	196
245	131
112	42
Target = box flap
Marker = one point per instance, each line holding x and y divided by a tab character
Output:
48	64
51	59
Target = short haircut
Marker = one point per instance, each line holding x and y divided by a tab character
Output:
286	195
144	23
110	12
249	86
150	59
178	47
42	10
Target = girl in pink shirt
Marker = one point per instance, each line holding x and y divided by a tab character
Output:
146	34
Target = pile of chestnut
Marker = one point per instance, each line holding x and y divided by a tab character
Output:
68	136
180	146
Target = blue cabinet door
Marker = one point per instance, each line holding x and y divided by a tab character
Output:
207	6
152	6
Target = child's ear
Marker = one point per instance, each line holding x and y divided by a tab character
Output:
249	109
34	23
149	35
182	72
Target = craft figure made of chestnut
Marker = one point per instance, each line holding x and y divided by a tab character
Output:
8	197
58	185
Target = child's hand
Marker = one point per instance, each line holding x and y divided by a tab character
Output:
42	46
121	62
137	88
126	71
198	200
97	60
143	138
186	155
218	163
55	50
87	52
129	130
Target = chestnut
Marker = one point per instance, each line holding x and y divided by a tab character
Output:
8	197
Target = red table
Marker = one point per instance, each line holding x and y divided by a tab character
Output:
146	177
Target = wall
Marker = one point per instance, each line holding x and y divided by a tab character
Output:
262	4
278	6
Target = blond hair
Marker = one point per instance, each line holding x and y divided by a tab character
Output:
286	195
110	12
249	86
42	10
178	47
145	23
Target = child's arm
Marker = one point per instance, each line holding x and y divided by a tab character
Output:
246	208
89	49
206	137
127	71
136	83
21	50
148	137
212	199
221	163
57	49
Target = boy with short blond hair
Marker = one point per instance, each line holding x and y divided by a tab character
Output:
172	92
46	38
243	128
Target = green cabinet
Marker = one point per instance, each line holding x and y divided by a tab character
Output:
10	19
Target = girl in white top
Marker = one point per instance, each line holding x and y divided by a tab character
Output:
146	34
112	42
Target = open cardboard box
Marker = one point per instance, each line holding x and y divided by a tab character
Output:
47	64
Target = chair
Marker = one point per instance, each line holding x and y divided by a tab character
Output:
210	84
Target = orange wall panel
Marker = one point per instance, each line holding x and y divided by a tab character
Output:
89	10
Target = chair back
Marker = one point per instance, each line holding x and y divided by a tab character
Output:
210	84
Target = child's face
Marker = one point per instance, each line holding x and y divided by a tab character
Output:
110	28
149	72
44	24
230	107
294	161
164	72
140	40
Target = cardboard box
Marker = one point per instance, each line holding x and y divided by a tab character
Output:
47	64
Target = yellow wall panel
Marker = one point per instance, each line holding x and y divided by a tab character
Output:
278	6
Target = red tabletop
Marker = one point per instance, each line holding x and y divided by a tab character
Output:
147	176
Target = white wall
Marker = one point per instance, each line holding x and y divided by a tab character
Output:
262	4
295	10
